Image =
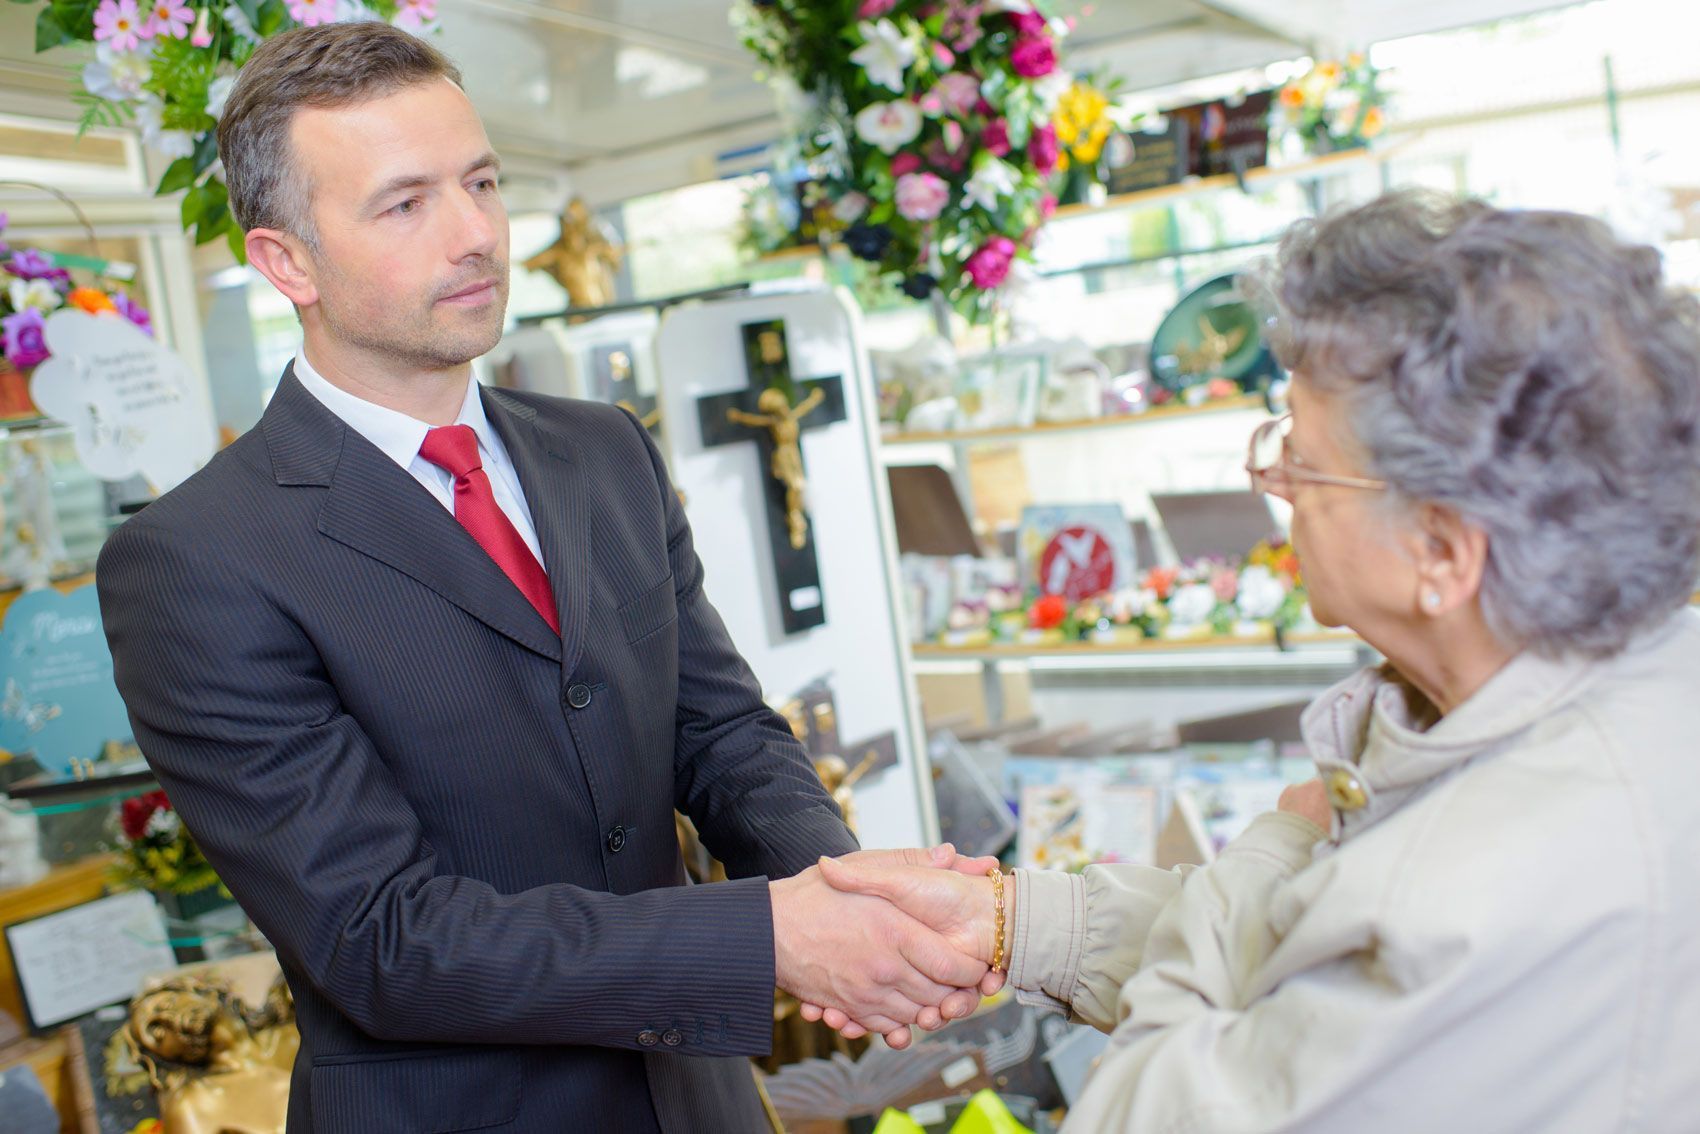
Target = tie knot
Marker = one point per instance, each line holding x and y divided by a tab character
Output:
452	447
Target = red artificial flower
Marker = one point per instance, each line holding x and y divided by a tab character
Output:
1047	613
1161	580
1034	56
989	265
137	810
995	138
904	163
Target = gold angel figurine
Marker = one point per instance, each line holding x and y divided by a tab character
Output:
1213	349
779	417
582	259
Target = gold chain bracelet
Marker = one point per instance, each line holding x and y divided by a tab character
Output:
997	920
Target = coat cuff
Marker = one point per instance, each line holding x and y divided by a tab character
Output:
1287	838
1050	929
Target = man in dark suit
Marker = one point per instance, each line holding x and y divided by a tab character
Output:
427	668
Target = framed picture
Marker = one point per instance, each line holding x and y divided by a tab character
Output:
87	957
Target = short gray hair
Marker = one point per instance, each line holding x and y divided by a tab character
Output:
1526	369
329	65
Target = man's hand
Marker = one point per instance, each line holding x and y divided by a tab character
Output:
950	894
871	962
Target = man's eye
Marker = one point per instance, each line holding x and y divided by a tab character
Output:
407	206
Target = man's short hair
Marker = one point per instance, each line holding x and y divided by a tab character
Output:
331	65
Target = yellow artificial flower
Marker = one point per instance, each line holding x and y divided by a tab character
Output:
1375	121
1354	60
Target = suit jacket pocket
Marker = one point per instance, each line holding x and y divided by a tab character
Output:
431	1094
649	612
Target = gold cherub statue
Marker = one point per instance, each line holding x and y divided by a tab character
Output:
779	417
582	259
1206	358
219	1066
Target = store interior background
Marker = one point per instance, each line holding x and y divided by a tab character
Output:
653	113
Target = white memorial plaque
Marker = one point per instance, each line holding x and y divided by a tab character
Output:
72	962
131	403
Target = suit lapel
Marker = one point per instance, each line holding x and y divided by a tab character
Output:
549	473
376	507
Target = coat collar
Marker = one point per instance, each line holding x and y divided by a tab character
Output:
375	507
1378	736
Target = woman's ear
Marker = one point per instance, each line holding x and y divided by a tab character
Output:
1450	554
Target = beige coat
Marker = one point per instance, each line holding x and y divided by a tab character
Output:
1504	937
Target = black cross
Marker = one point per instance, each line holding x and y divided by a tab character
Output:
768	364
613	369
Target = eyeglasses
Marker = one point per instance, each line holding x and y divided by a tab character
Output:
1272	469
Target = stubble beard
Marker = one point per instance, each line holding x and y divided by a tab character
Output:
432	337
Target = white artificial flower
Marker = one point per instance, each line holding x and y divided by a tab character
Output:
117	75
1018	6
218	93
1051	88
993	180
1261	593
889	125
237	20
34	293
171	143
850	208
163	822
885	53
1191	605
353	12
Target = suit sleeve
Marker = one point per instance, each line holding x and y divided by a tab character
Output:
298	813
739	773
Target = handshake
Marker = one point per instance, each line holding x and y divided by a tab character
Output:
883	941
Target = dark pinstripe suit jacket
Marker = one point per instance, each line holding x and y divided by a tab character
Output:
456	827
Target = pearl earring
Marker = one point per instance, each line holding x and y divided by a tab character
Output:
1432	600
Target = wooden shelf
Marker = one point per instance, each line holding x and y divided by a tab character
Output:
1053	428
1017	651
1195	186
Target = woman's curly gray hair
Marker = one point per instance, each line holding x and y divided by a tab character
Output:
1530	371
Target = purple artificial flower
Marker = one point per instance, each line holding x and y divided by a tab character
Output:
29	264
134	312
4	247
24	339
995	138
961	27
1042	149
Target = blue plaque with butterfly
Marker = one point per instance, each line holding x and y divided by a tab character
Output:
57	698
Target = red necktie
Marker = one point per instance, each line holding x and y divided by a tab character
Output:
455	448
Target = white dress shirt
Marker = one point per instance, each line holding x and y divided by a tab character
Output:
400	436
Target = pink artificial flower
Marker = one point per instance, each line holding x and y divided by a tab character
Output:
1225	583
904	163
202	35
1027	23
1034	57
961	27
989	265
415	14
995	138
118	25
940	157
874	9
943	57
1042	149
959	92
1047	207
170	18
922	196
953	136
312	13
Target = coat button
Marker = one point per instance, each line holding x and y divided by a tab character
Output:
672	1037
1344	791
578	696
647	1038
617	840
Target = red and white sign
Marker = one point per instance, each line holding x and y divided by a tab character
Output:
1078	563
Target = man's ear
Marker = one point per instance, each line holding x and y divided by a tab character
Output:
283	259
1450	553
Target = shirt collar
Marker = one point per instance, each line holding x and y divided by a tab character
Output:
396	434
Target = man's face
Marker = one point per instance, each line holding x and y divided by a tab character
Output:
412	257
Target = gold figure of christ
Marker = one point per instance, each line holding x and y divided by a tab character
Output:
780	418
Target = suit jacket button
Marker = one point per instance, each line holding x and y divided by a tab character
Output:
672	1037
617	840
647	1038
578	696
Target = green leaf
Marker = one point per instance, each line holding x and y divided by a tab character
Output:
212	223
234	236
76	17
272	17
49	32
206	151
180	174
194	204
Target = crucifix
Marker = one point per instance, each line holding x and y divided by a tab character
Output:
775	410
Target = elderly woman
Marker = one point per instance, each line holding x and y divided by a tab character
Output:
1485	915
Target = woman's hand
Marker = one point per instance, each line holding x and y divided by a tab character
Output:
1309	800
